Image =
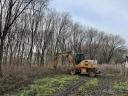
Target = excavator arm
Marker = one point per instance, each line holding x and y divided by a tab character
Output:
66	55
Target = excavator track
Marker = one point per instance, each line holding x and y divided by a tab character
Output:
71	87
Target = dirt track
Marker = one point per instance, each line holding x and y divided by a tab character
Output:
72	87
104	88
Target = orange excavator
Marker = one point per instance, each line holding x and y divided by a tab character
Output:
79	63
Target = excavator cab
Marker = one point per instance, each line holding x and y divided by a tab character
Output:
79	57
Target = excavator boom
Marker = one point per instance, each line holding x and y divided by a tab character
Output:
66	55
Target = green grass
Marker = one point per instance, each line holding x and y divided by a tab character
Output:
91	83
48	86
121	85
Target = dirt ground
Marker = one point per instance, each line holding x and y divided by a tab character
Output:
104	87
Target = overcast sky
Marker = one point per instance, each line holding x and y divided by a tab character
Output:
106	15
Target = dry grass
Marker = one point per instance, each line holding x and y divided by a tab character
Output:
16	77
117	70
111	68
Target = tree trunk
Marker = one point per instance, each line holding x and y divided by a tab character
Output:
38	57
42	59
1	56
31	50
22	54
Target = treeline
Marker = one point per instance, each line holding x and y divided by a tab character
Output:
31	33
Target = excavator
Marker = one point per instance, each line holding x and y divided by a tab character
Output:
79	64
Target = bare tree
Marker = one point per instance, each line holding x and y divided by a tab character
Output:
35	15
10	10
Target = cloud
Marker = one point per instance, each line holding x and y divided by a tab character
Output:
107	15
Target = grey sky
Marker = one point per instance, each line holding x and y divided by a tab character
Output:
106	15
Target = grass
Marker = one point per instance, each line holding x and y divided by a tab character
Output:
91	83
48	85
121	85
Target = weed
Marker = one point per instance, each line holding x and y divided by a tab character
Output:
48	85
92	82
121	85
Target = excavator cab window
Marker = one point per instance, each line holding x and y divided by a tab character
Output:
79	57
